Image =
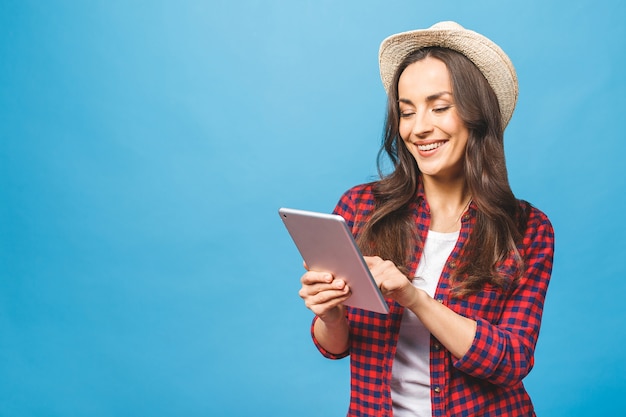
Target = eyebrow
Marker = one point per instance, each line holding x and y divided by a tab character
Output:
430	98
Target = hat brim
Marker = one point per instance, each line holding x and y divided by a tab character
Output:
488	57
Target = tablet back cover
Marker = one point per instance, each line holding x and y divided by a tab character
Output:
326	244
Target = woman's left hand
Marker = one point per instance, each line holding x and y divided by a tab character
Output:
391	281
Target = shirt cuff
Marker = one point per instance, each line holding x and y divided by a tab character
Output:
485	353
323	351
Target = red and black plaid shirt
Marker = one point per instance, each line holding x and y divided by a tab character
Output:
487	381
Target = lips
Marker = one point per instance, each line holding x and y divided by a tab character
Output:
430	146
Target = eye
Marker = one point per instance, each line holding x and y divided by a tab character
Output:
406	114
441	109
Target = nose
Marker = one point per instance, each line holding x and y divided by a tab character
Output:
422	125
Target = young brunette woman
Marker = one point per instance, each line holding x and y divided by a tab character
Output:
463	264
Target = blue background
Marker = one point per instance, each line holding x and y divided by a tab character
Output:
145	147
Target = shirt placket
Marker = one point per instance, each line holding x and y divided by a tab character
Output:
439	356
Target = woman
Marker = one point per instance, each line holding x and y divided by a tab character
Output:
463	264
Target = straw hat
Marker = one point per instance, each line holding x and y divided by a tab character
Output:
486	55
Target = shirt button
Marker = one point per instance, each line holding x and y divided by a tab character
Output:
440	299
437	390
437	346
452	265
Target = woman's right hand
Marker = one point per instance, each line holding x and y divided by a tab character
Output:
324	295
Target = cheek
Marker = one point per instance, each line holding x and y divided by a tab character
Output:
404	130
453	123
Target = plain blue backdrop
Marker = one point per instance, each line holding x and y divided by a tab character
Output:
145	147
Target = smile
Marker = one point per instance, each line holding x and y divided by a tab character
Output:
430	146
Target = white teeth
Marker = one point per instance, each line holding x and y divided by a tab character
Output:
430	146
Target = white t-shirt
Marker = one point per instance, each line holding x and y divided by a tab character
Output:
410	377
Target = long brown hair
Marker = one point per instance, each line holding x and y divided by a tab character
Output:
390	233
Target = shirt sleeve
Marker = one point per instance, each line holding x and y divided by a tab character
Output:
344	208
321	349
503	353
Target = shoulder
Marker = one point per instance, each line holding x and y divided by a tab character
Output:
534	216
356	202
358	197
538	229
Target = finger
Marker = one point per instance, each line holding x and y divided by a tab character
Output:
324	301
329	295
314	277
382	267
314	289
322	310
379	282
372	261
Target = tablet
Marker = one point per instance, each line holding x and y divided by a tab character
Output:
326	244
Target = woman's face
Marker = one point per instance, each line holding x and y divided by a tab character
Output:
429	123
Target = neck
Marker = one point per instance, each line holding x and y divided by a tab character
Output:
449	194
448	201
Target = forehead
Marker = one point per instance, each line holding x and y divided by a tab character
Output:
424	77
